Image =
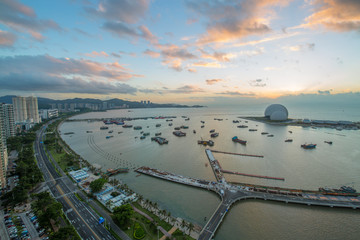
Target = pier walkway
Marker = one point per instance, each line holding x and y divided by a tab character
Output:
230	193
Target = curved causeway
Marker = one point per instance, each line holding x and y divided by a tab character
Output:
230	193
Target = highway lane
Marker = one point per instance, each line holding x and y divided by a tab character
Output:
81	216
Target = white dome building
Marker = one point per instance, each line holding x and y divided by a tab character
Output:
276	112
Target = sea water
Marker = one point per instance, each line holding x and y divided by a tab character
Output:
326	166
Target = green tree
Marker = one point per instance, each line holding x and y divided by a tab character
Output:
123	214
190	227
65	233
97	185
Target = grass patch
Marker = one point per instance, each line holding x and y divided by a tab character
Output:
139	232
160	222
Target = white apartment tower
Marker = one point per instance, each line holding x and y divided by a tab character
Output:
26	109
8	120
3	151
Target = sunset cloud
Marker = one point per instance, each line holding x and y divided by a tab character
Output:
48	74
94	54
62	67
124	30
151	53
219	56
236	93
207	64
213	81
7	39
335	15
257	83
230	20
22	18
127	11
301	47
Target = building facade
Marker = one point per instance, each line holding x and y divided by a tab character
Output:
8	120
3	151
26	109
48	113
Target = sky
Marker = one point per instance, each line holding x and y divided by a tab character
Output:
191	51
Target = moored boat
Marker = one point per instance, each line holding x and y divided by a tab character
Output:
308	146
179	133
242	126
236	139
328	142
212	130
206	143
288	140
214	134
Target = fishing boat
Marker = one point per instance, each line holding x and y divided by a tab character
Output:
127	126
252	130
242	126
170	124
214	134
158	125
288	140
137	127
194	131
160	140
328	142
212	130
236	139
142	137
202	126
179	133
308	146
104	128
107	137
270	135
206	143
158	134
264	133
235	121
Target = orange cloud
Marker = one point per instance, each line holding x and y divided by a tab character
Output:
152	54
97	54
219	56
207	64
230	20
335	15
213	81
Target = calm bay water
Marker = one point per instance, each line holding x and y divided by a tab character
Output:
327	165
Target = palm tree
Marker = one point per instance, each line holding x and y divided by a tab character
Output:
190	227
168	216
183	224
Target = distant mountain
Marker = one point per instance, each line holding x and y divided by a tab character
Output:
45	103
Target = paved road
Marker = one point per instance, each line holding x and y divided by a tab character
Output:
81	216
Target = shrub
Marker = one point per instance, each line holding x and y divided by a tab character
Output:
139	232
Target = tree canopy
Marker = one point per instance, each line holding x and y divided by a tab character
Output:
123	214
97	185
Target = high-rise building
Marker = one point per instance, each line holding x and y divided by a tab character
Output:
3	151
26	109
8	120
